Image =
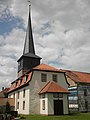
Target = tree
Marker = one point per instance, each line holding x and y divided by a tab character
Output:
7	107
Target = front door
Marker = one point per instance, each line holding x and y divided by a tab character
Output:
58	107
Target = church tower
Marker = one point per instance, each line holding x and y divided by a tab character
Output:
29	59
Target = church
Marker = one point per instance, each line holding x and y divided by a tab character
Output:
39	88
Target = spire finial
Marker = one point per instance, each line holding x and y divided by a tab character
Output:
29	2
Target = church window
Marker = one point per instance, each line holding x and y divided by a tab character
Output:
18	105
54	78
23	105
18	94
57	95
24	93
43	104
44	77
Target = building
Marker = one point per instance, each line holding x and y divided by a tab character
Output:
4	99
79	87
39	88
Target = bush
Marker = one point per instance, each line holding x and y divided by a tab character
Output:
7	108
21	116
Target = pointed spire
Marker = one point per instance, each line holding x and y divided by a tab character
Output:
29	44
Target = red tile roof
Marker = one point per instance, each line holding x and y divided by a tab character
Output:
41	67
78	76
5	90
53	87
46	68
4	100
20	82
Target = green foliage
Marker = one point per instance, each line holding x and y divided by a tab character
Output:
21	116
7	108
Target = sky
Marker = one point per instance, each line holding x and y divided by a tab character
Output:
61	32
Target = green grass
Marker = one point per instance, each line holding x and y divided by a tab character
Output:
79	116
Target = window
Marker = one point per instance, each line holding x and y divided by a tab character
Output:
85	92
44	77
18	105
18	94
20	80
23	105
86	105
43	104
57	95
16	83
14	95
54	78
24	93
43	95
25	78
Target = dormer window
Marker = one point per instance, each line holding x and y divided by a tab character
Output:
54	78
25	78
16	83
20	81
44	77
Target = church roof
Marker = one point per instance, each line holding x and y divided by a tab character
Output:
20	81
29	50
46	68
78	76
29	44
52	87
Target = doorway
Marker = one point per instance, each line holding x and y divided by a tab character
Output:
58	107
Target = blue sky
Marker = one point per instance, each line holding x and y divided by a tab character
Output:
8	22
61	32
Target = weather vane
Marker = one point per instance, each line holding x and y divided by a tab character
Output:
29	2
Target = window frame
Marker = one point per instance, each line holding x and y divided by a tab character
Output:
18	94
43	104
43	77
54	77
24	91
17	105
23	105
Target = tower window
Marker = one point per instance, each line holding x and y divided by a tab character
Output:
54	78
44	77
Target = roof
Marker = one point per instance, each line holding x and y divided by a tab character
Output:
53	87
29	50
46	67
29	43
20	82
5	90
4	100
42	67
1	95
78	76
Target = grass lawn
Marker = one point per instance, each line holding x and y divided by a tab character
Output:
79	116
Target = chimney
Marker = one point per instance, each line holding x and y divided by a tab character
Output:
2	88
